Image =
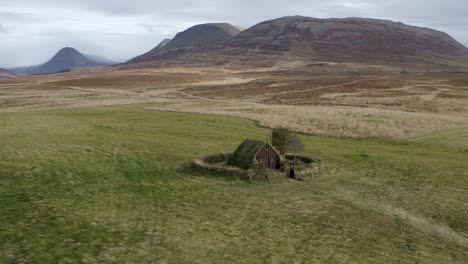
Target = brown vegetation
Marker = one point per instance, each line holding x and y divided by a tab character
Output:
329	99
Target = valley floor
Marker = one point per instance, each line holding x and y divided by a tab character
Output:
104	184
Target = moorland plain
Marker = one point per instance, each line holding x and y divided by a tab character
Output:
346	100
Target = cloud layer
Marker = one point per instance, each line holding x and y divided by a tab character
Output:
31	31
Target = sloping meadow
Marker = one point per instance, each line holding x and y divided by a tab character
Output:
101	185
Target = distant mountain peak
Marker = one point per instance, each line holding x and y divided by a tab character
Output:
65	58
196	37
68	49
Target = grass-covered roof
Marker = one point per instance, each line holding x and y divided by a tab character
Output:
244	156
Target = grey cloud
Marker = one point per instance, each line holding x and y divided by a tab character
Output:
121	29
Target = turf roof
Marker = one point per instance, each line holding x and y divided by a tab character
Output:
244	156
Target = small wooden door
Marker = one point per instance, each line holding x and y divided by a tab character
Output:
267	158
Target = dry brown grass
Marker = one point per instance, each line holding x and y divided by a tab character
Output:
343	100
338	121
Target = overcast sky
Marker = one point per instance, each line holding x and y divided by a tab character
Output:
31	31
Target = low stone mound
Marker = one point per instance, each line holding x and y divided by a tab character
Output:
217	164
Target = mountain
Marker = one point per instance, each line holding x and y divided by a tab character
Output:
347	39
197	37
66	58
311	39
5	74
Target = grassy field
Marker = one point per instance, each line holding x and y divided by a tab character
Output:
102	184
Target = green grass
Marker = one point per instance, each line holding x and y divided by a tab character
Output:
102	185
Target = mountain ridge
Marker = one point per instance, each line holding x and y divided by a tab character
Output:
355	40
